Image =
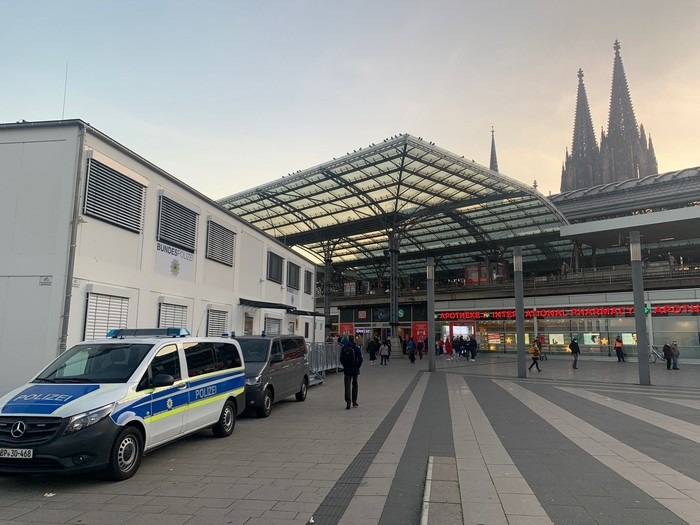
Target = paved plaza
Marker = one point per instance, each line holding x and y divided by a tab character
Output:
470	443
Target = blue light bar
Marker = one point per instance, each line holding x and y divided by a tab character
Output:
120	333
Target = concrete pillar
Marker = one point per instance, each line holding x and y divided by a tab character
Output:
519	310
431	313
640	319
327	296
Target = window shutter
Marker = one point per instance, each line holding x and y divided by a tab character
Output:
105	312
172	315
216	322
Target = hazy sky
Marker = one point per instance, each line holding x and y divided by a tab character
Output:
227	95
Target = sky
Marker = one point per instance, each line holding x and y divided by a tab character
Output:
227	95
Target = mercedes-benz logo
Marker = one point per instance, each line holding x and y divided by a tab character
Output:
18	429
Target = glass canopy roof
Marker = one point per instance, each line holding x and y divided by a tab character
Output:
435	202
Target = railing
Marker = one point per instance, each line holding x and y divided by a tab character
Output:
652	272
323	357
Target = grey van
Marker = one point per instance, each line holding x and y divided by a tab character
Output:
275	368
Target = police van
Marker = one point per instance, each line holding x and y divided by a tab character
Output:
103	404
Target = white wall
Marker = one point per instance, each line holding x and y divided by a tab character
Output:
35	213
37	173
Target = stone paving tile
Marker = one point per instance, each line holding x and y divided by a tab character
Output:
445	514
102	517
44	515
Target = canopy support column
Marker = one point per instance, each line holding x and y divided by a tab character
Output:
519	310
640	319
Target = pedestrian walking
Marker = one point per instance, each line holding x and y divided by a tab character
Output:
420	347
372	349
535	355
411	349
618	350
668	356
575	351
448	349
351	359
675	354
472	347
384	354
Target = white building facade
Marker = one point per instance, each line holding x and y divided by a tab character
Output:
95	237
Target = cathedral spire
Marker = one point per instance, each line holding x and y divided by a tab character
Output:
623	137
582	167
493	166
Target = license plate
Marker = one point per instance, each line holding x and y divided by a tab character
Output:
16	453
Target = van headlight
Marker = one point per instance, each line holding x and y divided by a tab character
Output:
84	420
253	381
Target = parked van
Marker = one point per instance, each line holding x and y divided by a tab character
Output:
103	404
276	368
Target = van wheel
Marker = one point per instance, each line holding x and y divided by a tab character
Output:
266	409
125	458
301	395
227	420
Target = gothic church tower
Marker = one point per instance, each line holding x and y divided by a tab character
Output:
624	151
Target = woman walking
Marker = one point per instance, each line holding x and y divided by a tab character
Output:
384	354
535	353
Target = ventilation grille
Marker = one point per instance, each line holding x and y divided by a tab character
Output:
221	244
113	197
177	225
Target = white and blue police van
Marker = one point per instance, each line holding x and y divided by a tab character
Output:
103	404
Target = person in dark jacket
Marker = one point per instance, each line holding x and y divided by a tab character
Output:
472	347
351	373
373	349
575	350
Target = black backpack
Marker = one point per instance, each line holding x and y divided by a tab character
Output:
347	356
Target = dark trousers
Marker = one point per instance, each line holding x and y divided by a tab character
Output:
575	360
620	354
351	389
536	363
385	359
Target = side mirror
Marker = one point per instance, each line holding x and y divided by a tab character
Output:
277	358
163	380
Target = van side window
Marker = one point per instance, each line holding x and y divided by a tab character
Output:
276	347
167	361
200	358
227	356
291	348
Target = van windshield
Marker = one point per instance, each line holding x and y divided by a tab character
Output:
254	350
95	363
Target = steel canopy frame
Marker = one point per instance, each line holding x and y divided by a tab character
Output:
436	203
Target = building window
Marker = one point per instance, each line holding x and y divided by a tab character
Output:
221	243
273	326
216	322
274	267
113	197
293	275
104	313
308	281
177	225
172	315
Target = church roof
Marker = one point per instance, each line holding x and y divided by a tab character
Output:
438	203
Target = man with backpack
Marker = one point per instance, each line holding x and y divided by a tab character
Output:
351	359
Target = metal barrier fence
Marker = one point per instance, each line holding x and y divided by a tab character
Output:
322	357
